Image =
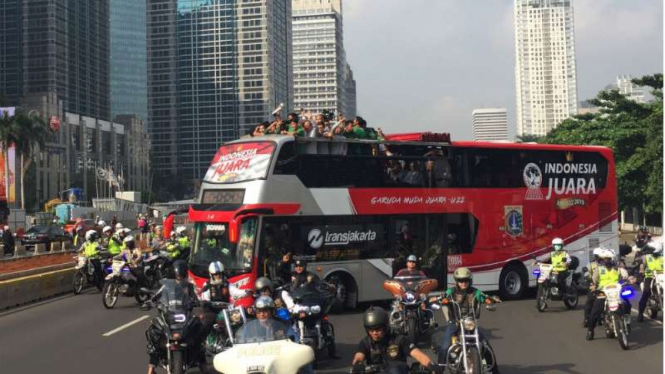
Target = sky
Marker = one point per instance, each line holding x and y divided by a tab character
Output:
424	65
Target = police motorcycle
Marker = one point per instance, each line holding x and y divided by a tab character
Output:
178	328
655	302
313	301
85	273
408	314
468	353
615	317
264	353
156	266
548	285
121	282
227	322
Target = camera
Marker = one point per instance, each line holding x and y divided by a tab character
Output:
329	115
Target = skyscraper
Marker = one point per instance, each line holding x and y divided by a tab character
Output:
128	58
215	70
323	80
629	89
545	72
490	124
56	46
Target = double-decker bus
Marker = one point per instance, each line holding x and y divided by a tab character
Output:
355	209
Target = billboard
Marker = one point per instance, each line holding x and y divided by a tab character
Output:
12	174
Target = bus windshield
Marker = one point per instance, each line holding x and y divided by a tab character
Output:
212	243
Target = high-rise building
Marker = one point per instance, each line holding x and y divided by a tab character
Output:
490	124
128	58
545	72
323	80
629	89
56	46
215	70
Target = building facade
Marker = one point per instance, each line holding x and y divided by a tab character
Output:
129	89
545	71
629	89
215	70
490	124
11	55
323	80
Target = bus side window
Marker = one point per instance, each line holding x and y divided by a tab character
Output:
286	160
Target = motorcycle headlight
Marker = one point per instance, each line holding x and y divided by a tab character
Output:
315	309
469	324
303	309
410	297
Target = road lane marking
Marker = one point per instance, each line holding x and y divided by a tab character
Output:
633	311
126	325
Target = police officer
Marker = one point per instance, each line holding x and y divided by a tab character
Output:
560	260
606	274
91	250
643	237
300	275
593	268
116	241
652	262
173	247
380	347
78	236
411	270
183	239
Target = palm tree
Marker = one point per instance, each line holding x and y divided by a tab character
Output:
7	138
31	135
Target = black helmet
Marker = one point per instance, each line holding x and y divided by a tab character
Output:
644	229
301	262
375	317
262	283
180	269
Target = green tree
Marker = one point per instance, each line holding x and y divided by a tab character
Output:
634	131
527	138
31	133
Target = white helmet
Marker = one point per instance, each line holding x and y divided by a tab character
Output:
128	239
657	248
127	230
180	230
101	223
598	251
90	235
557	244
119	226
607	254
107	229
215	267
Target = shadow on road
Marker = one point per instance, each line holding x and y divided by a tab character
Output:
538	369
645	334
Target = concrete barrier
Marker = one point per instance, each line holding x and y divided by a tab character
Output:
55	247
19	250
15	292
40	248
65	246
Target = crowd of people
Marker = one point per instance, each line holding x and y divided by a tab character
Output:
321	126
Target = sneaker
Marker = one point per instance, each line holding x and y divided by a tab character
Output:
589	335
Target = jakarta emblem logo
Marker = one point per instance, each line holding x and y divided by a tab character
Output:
514	220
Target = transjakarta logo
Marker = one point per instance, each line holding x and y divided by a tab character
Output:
569	178
316	238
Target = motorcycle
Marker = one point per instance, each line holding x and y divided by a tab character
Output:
468	353
156	267
548	287
121	281
361	368
267	351
228	321
310	314
408	314
85	274
179	346
614	317
655	303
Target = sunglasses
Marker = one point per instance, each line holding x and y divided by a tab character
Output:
375	329
463	281
300	266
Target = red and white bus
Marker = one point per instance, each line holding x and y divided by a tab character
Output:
357	208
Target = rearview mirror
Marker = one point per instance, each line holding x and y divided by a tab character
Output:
491	307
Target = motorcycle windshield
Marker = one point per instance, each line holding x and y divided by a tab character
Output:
176	297
257	331
312	295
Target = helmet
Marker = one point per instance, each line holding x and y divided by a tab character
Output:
91	235
412	258
101	223
180	269
215	267
262	283
180	230
598	251
119	226
462	274
557	244
657	248
264	302
375	317
80	228
129	241
301	262
644	229
606	254
107	229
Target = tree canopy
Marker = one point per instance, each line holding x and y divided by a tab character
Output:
634	131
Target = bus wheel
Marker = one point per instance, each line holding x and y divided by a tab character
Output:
513	281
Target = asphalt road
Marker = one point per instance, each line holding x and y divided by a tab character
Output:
66	335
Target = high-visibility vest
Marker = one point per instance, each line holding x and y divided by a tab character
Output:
90	249
607	276
559	261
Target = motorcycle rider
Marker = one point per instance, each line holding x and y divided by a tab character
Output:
301	275
410	270
154	332
183	239
78	237
381	347
264	324
107	233
642	237
560	260
606	274
652	262
593	268
115	243
91	250
463	293
173	247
